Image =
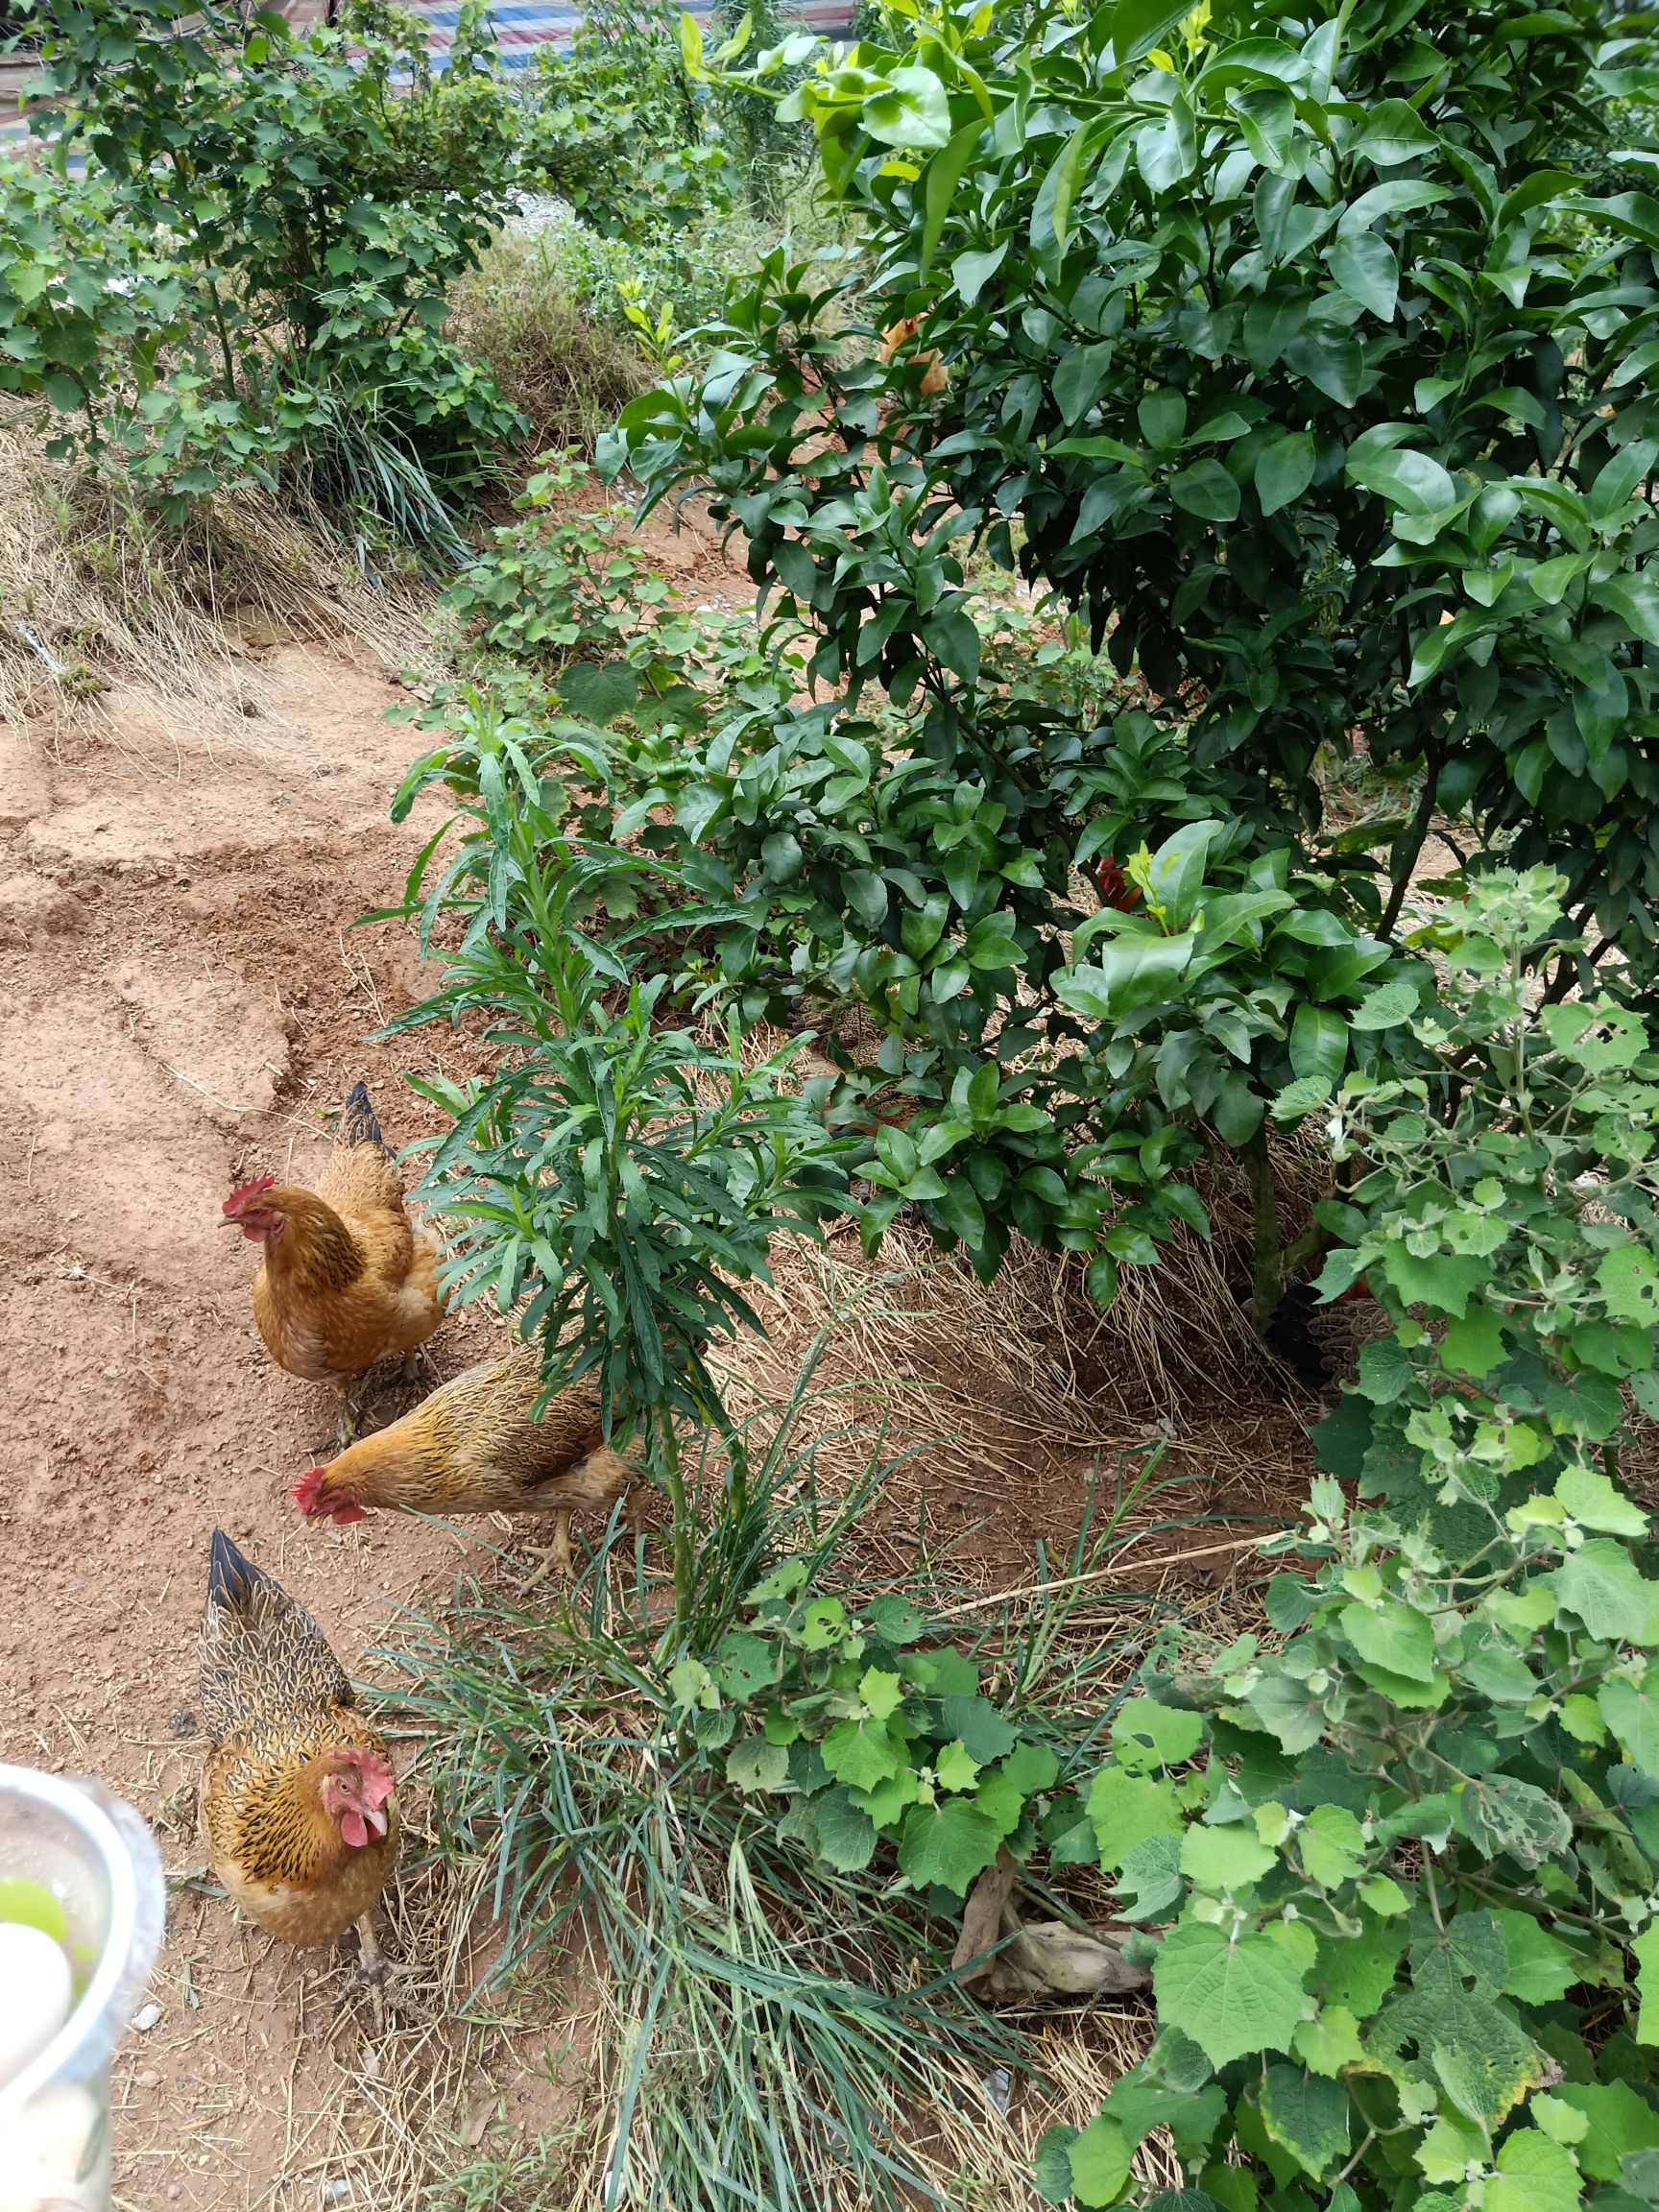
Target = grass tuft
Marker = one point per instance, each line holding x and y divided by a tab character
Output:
767	2032
569	372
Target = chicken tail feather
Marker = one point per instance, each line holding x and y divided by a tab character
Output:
232	1579
360	1124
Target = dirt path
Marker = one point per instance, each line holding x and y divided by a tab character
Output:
180	996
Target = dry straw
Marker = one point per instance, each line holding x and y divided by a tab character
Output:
94	595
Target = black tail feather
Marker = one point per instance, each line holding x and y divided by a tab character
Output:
360	1124
232	1579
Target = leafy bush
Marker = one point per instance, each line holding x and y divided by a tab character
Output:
301	219
1396	1859
1396	1862
617	127
1505	1216
619	1179
1037	1067
1217	349
552	584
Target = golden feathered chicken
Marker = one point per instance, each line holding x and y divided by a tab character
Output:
935	376
345	1279
299	1805
473	1447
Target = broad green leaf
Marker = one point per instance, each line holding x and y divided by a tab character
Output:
954	1768
881	1692
746	1665
1139	2104
1146	1736
1150	1880
690	1683
1592	1500
1619	2122
757	1766
1220	1860
1599	1585
1384	1896
1475	1344
1442	1281
1387	1370
895	1620
1632	1712
1386	1008
845	1834
1332	1844
1533	2175
1099	2160
1646	1949
1230	1997
1405	1688
1306	2115
1357	1972
999	1801
985	1733
1128	1808
1451	2149
1629	1282
1030	1767
863	1752
1395	1637
1502	1816
1330	2042
1051	2164
1287	1709
947	1843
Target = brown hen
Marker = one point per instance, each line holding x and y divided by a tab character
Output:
473	1447
345	1278
299	1804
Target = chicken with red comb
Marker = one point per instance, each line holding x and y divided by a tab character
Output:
344	1277
299	1802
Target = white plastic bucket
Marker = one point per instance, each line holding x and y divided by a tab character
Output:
100	1861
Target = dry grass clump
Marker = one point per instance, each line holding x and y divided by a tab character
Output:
94	590
570	374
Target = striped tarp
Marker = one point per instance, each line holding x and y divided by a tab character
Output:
520	28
